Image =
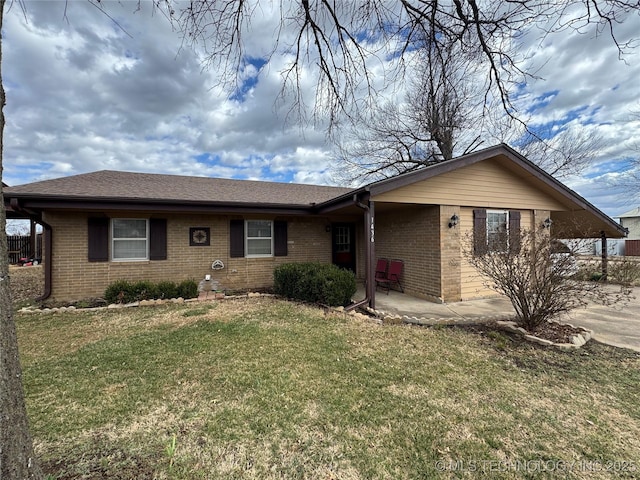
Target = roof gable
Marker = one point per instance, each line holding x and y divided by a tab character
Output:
631	213
487	183
568	203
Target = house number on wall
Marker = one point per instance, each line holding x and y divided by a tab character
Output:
372	228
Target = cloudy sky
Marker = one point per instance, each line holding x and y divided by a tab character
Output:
84	94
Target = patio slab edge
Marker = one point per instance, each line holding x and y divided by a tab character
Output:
506	322
435	320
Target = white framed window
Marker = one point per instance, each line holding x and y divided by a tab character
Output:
129	239
497	230
259	238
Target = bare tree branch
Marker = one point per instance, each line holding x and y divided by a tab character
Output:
440	116
337	39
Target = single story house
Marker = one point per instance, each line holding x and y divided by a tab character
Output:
631	221
107	225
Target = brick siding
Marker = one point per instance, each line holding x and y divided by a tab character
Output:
451	255
73	277
412	235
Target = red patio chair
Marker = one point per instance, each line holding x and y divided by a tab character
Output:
381	273
394	273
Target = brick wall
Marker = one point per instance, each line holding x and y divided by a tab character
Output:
412	234
451	255
73	277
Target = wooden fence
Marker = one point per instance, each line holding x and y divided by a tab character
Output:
632	248
19	246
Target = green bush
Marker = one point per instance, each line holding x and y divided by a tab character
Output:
595	277
167	290
144	290
119	291
315	283
187	289
124	291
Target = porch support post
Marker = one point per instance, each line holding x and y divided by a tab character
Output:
32	238
603	242
370	252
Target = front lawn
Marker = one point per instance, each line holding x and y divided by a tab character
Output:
261	388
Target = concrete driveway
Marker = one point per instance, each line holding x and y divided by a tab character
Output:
617	326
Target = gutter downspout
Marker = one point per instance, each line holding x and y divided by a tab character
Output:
369	230
48	263
47	247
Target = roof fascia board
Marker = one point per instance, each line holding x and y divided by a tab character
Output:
182	207
343	201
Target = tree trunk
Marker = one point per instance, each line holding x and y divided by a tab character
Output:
17	459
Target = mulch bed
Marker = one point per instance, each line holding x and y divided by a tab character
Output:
556	332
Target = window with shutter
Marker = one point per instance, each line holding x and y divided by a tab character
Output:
479	232
236	238
280	240
98	239
496	230
259	238
157	239
514	231
129	239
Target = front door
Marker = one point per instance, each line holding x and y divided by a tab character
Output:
344	245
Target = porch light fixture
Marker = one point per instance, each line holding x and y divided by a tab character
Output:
454	220
327	228
547	223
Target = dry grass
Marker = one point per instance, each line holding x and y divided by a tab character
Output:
27	283
270	389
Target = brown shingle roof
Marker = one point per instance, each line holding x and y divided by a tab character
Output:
114	185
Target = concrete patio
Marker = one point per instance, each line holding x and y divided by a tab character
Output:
415	309
614	325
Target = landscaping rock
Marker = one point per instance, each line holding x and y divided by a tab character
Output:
578	340
539	341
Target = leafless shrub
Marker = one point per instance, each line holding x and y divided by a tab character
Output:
624	271
541	280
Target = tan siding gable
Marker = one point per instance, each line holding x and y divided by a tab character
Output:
483	184
473	284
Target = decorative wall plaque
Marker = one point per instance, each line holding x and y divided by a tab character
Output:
199	236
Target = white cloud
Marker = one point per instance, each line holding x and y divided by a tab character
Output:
83	95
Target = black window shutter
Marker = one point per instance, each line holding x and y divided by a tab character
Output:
480	231
236	238
514	231
157	239
98	239
280	239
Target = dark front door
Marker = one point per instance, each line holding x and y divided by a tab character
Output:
344	245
